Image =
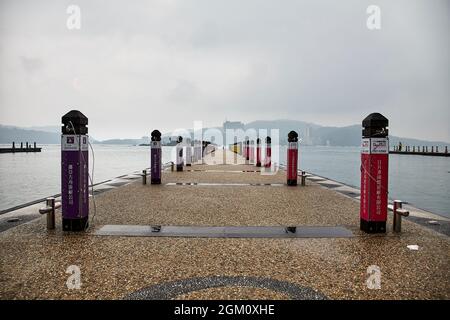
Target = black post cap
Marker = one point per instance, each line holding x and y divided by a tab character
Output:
156	135
268	140
375	125
74	122
292	136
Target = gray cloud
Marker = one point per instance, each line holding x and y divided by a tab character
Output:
143	64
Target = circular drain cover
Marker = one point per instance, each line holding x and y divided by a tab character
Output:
170	290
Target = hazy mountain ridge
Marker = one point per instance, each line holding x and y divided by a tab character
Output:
309	133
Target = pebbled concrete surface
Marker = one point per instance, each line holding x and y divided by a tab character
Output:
33	261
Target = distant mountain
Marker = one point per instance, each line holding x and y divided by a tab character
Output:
8	134
54	129
309	133
313	134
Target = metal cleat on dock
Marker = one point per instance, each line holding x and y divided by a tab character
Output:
396	208
49	209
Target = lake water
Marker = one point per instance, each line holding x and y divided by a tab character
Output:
422	181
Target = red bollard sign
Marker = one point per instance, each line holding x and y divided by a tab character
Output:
374	174
258	152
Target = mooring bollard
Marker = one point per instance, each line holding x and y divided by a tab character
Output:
49	209
179	149
398	214
13	145
268	160
303	178
258	152
156	158
74	167
292	158
374	174
247	152
144	177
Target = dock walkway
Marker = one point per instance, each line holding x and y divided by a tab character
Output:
320	265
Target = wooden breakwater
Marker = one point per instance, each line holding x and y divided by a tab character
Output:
424	151
27	148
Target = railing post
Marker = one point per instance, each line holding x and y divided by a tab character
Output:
397	217
144	176
303	178
51	214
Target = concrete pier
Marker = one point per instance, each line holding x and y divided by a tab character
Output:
320	264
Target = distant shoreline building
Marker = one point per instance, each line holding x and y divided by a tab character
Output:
233	125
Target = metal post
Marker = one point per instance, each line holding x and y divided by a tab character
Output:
397	217
144	176
51	214
303	178
437	150
35	145
432	149
446	149
27	145
172	166
21	145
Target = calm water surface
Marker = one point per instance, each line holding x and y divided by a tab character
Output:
421	181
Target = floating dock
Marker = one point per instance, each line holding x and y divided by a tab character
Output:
224	231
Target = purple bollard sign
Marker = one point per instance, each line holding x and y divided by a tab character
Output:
155	156
74	172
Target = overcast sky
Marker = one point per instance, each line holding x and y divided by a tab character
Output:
139	65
